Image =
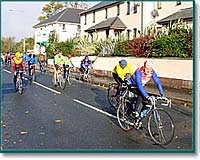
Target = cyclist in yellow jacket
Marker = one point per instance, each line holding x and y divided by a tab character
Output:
120	71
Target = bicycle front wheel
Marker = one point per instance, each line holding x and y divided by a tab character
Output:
161	126
125	120
20	87
112	94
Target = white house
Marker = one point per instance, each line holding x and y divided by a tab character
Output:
108	19
66	25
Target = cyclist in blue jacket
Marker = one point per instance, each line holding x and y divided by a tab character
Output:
31	61
141	76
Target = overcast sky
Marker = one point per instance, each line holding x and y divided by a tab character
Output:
18	18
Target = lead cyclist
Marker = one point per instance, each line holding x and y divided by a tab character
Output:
139	79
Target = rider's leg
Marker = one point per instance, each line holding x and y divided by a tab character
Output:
138	105
29	69
64	67
14	80
118	80
54	75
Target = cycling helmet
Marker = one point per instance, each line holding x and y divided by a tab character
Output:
18	55
148	64
123	63
69	56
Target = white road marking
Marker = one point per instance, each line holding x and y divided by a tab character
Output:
36	83
41	85
7	71
94	108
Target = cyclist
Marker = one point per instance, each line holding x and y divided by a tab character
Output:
68	61
141	76
17	64
41	60
85	64
120	71
31	62
59	61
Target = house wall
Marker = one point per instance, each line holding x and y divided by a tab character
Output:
42	33
133	20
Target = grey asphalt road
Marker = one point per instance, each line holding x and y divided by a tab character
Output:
48	118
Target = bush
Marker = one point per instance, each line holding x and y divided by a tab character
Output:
66	47
140	46
178	43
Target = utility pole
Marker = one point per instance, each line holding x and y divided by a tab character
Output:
142	17
24	45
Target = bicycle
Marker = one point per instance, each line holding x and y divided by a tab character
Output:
160	124
18	83
42	67
68	75
32	73
84	75
60	79
114	94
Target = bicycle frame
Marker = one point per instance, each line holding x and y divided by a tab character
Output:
19	85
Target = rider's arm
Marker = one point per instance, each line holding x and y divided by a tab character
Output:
119	72
130	69
23	66
71	63
138	77
55	60
157	82
13	66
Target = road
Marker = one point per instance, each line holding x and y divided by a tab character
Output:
78	118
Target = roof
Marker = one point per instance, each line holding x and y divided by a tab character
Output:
183	13
99	6
114	22
70	15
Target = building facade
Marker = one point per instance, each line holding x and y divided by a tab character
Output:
65	24
108	19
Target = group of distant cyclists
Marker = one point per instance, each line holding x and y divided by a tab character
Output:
24	62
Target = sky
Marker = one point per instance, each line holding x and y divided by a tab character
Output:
18	18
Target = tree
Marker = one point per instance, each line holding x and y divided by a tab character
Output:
50	9
8	44
29	43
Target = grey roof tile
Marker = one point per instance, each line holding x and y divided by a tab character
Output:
100	5
114	22
67	15
183	13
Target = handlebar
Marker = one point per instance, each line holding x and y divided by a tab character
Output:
166	101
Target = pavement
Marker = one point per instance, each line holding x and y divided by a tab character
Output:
177	96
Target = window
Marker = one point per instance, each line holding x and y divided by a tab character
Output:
85	19
178	3
118	10
134	32
158	5
63	27
106	9
135	8
128	8
93	17
107	33
92	38
128	33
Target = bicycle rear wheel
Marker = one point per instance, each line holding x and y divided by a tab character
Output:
112	94
125	120
161	126
62	82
